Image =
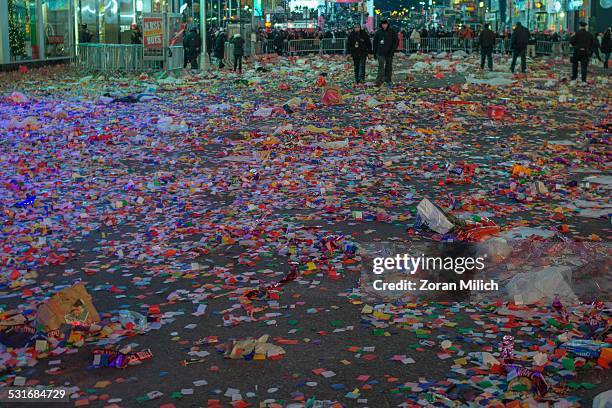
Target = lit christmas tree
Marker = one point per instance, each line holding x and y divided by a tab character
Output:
16	34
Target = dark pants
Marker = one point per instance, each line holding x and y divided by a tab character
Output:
238	62
191	58
486	53
359	62
515	54
583	59
385	68
606	58
596	52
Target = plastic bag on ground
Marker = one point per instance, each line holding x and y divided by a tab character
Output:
462	67
267	112
166	124
433	217
331	96
420	66
495	249
18	97
459	54
603	400
444	64
542	286
132	320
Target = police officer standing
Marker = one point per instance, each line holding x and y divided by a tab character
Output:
583	43
518	43
487	42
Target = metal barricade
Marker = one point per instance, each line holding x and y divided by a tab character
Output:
125	57
176	57
451	44
333	45
305	46
316	46
544	47
565	48
267	47
228	54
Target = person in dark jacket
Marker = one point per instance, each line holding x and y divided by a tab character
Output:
486	40
279	41
192	45
518	43
384	44
85	35
238	43
136	34
583	42
606	46
220	48
209	44
359	46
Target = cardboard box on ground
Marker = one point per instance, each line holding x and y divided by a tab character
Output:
70	305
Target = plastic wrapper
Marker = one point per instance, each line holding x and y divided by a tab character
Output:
117	359
331	96
542	286
132	320
17	97
507	349
166	124
432	217
585	348
516	373
496	249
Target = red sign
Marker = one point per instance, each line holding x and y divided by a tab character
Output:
153	37
55	39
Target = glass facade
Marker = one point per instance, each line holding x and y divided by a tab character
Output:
22	30
56	28
109	21
33	30
45	29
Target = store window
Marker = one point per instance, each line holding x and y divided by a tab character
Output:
110	21
88	21
23	37
56	17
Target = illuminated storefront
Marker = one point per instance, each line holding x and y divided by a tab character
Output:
34	30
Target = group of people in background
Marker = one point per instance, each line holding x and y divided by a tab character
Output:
385	41
522	44
384	44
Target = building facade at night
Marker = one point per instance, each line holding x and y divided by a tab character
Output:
32	30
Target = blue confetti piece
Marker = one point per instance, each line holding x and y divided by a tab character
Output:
26	203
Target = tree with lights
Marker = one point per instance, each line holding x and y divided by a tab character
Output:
16	34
